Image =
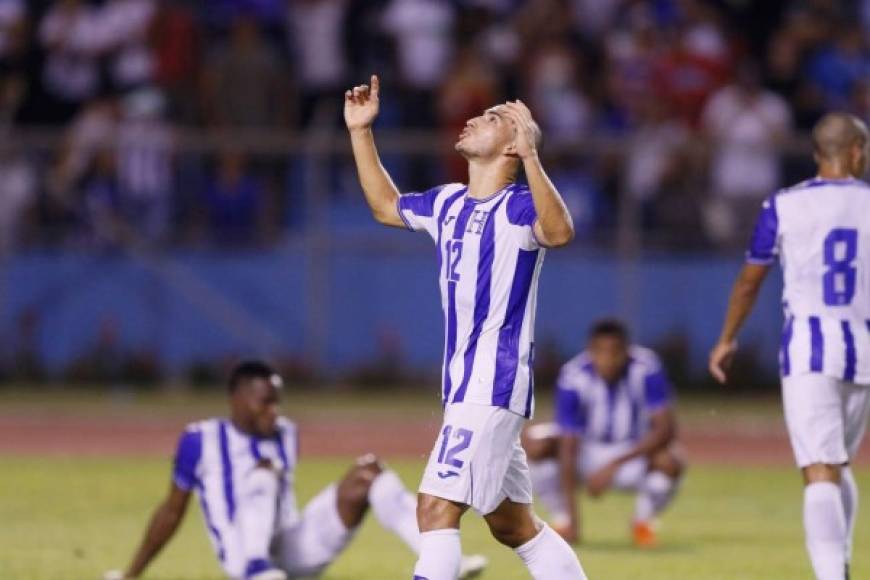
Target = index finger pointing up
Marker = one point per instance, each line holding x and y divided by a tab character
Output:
376	85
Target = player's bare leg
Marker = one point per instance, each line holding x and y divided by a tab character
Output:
541	443
825	521
546	555
370	484
656	492
256	516
440	547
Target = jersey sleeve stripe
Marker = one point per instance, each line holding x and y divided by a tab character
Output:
402	214
762	248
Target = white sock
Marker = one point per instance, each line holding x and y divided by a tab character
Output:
548	488
395	508
655	494
825	528
440	555
849	491
549	557
256	512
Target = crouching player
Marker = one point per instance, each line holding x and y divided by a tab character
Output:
615	429
243	471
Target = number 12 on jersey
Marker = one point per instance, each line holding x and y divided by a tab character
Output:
453	253
841	251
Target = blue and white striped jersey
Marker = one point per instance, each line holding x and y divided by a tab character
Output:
213	457
489	264
611	413
820	229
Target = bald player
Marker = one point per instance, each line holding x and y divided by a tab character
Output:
820	230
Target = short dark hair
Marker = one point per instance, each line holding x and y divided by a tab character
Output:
612	327
248	370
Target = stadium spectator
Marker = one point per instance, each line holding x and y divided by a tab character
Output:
468	89
745	124
13	23
100	207
656	160
555	92
837	68
145	146
124	27
69	34
176	41
91	131
233	202
422	32
631	57
244	82
315	29
18	190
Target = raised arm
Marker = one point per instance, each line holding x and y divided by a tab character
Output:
554	226
361	105
164	523
743	297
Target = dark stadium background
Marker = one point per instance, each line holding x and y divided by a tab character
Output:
176	190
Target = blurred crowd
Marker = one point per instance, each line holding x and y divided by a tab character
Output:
699	97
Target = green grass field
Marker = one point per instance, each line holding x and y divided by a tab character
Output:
71	519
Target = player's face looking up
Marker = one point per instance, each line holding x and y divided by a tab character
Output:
486	137
254	406
609	355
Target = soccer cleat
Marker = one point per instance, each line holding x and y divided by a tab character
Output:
644	534
263	570
472	566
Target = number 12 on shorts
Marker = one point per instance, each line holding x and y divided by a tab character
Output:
448	456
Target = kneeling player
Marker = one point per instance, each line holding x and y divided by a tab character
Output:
243	471
615	428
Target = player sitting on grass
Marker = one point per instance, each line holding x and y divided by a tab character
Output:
615	428
243	471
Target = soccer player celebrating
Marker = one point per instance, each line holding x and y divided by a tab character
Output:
490	235
820	229
243	471
615	428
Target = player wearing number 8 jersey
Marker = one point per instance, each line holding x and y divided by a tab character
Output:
820	230
491	236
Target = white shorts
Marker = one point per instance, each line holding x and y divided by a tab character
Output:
826	418
594	456
307	548
478	459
